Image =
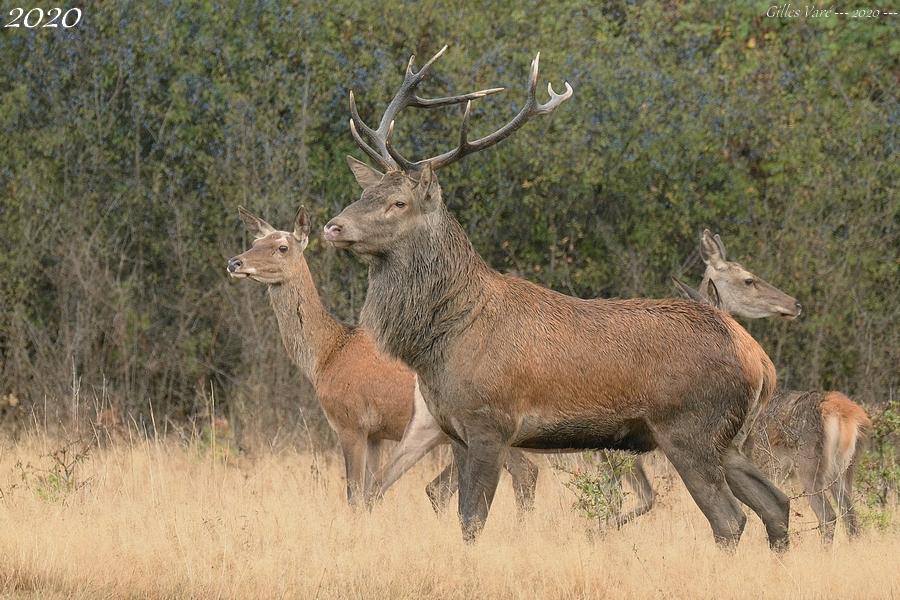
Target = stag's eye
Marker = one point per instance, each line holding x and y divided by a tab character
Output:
749	281
400	204
282	249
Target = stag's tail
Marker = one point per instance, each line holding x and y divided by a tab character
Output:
846	427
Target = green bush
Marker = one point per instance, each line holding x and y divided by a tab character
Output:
129	141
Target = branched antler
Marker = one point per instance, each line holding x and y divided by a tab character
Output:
389	158
405	96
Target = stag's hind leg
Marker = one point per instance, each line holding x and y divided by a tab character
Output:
699	464
752	488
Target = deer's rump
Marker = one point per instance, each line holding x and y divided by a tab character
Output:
564	373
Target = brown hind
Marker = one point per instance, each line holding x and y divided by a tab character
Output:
813	436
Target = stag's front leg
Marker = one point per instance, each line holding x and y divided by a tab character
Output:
479	460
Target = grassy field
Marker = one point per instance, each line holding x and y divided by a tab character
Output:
144	518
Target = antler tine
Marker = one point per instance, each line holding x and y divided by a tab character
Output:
357	120
531	108
555	99
402	162
373	154
464	128
424	70
420	102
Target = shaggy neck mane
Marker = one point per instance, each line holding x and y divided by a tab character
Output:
309	333
425	291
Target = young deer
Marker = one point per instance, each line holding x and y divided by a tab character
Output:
812	436
504	363
367	397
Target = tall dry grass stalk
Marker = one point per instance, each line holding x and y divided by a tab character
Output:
142	517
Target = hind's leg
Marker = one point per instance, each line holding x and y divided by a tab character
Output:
442	487
373	463
638	481
842	491
355	449
812	479
524	478
753	489
420	437
700	466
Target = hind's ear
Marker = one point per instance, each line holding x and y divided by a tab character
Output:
721	246
688	291
255	225
365	175
712	250
712	294
301	227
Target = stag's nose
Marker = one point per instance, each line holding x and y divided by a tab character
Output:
799	307
234	264
333	229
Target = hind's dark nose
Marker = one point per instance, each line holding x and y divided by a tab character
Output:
799	306
234	264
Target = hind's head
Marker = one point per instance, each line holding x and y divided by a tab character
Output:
275	256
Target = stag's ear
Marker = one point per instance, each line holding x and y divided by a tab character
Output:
301	227
712	294
711	251
426	184
365	175
255	225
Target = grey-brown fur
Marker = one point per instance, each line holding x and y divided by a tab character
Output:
505	363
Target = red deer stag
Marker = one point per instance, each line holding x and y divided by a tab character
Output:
366	396
812	436
503	362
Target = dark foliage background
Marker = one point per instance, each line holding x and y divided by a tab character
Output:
127	143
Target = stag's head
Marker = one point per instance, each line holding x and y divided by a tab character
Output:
275	256
398	199
739	291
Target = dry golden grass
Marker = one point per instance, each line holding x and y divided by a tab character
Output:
161	519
